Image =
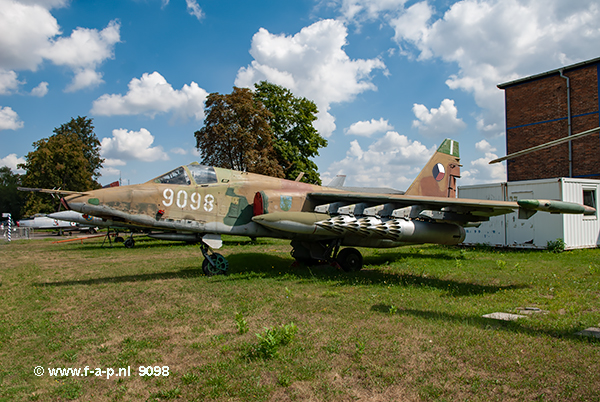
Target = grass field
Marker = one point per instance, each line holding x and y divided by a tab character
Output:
406	328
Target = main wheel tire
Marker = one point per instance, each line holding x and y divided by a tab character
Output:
350	259
129	243
220	265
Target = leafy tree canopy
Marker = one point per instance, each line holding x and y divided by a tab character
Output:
69	159
83	128
295	138
269	131
236	134
11	199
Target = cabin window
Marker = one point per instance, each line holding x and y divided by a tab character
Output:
589	198
203	174
177	176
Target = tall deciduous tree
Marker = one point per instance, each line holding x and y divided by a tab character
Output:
295	138
69	159
84	129
236	134
11	199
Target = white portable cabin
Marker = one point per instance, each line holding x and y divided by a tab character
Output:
577	231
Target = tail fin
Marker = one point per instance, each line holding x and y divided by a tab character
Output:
338	181
438	177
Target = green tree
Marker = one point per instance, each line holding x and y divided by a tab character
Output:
236	134
11	199
69	159
295	138
84	129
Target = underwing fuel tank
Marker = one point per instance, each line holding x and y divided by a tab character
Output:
397	230
294	222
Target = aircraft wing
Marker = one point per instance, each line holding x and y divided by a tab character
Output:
456	210
50	191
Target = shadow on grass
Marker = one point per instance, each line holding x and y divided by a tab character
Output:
143	241
391	256
270	266
519	326
184	273
245	266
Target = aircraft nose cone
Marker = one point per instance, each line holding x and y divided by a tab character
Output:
65	215
76	205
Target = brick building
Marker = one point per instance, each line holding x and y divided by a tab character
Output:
549	106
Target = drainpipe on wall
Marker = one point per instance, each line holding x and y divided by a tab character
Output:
570	130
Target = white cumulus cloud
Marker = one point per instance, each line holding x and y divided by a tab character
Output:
480	171
41	90
130	145
8	82
12	161
179	151
494	41
194	9
9	119
368	128
390	161
29	35
437	122
84	78
358	10
490	41
312	64
485	147
83	51
152	94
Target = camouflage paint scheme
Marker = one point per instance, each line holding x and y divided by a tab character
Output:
204	201
223	207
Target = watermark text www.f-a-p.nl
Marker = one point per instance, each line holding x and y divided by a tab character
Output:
109	372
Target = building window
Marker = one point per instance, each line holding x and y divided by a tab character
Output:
589	199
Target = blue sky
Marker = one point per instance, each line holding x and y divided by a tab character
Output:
391	78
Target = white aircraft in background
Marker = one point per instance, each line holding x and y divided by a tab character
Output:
40	221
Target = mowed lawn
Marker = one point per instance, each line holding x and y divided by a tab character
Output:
408	327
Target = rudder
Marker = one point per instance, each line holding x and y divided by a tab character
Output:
438	177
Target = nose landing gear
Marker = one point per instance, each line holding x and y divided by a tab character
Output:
214	263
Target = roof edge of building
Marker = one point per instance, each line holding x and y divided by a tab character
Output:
551	72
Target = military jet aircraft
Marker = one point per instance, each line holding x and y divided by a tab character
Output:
202	202
41	221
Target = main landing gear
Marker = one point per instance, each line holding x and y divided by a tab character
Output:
311	253
214	263
350	259
128	243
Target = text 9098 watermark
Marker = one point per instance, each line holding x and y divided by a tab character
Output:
156	371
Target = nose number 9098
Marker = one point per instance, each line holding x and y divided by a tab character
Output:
181	200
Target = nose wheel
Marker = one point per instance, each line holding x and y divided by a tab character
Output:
214	263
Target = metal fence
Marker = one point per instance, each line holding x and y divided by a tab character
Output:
16	233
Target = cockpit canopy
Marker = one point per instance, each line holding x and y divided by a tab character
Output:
200	174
